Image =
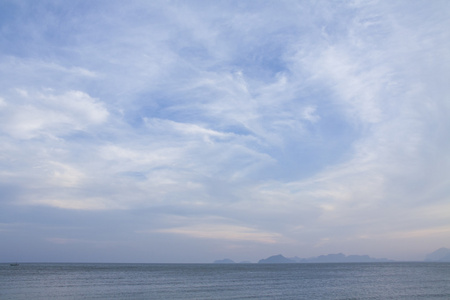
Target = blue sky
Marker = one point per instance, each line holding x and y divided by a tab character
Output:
189	131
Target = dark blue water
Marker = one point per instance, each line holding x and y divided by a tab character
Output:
236	281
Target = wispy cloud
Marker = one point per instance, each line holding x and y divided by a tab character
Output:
224	232
294	125
35	114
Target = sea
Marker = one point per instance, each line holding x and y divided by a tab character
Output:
417	280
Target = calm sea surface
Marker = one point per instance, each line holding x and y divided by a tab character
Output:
236	281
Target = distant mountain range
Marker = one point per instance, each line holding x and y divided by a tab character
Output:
276	259
229	261
224	261
330	258
440	255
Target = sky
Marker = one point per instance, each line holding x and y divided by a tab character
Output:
191	131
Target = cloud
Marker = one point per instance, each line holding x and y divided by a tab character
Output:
313	126
76	203
224	232
45	114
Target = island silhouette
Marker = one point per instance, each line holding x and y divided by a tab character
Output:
440	255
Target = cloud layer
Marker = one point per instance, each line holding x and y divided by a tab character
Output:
206	129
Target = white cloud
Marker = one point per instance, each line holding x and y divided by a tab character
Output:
64	175
228	232
75	203
79	104
191	131
46	114
295	123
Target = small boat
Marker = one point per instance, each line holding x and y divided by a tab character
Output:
14	265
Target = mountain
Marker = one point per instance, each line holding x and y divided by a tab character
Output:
445	258
330	258
224	261
276	259
441	255
340	258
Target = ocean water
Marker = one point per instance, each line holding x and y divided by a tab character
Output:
234	281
